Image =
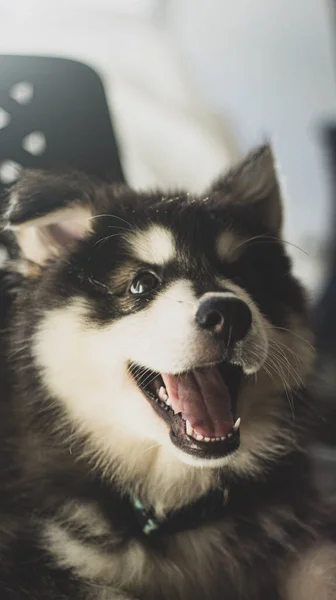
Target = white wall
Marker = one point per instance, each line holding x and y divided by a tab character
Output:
191	79
269	65
164	128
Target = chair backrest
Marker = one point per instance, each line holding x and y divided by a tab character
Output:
54	115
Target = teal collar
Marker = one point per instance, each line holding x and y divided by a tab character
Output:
206	508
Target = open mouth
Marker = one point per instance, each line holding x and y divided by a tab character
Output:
198	406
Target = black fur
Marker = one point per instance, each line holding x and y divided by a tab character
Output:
271	517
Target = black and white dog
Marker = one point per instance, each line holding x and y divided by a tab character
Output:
155	351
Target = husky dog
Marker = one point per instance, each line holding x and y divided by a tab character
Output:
154	421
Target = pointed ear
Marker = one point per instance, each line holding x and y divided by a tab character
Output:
254	186
47	213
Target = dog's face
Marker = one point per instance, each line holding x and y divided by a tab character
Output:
167	322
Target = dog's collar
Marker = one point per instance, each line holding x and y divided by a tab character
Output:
208	507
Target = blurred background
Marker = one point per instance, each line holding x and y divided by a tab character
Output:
190	86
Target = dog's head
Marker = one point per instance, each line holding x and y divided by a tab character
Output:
166	323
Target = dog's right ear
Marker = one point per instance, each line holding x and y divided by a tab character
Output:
48	212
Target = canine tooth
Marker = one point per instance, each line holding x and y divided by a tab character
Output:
168	401
189	429
237	424
207	439
163	394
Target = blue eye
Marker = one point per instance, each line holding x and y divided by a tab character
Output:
144	283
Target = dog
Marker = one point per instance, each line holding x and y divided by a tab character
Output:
155	408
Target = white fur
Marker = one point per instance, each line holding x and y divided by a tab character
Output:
182	559
13	200
155	246
86	516
313	577
3	257
85	366
89	561
227	246
257	337
202	463
36	242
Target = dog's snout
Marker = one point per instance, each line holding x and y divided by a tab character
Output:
225	316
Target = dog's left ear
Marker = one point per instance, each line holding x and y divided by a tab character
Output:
253	185
47	213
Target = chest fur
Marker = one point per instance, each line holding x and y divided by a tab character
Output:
199	564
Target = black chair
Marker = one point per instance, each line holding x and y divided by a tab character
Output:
323	385
54	115
325	314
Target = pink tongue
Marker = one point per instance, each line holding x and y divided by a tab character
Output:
203	399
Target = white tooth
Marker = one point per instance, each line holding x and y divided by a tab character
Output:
217	439
223	438
168	401
206	439
229	435
163	394
199	437
189	429
237	423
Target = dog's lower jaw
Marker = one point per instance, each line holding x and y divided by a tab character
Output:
126	439
202	463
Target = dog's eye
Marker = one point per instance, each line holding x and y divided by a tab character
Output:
144	283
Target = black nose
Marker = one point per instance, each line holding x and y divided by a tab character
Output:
225	316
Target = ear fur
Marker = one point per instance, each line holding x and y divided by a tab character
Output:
253	184
47	212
